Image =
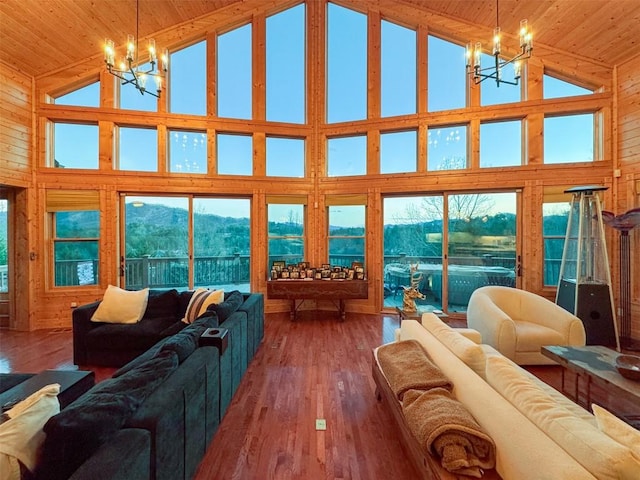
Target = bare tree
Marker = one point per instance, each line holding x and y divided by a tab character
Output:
417	217
466	207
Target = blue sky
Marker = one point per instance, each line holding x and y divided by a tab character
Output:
566	138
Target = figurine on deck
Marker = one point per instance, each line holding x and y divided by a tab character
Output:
412	292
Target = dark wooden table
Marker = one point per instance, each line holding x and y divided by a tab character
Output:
597	365
73	383
333	290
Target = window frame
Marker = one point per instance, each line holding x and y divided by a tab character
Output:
347	201
286	200
55	241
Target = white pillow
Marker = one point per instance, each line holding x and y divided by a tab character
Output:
617	429
466	350
121	306
605	458
21	436
199	302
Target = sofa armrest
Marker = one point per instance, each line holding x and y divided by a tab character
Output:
82	325
127	455
496	327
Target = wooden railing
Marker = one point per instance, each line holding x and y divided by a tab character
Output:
166	272
4	278
171	272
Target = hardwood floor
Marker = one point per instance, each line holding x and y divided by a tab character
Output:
315	368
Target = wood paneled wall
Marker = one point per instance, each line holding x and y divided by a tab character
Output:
16	170
52	308
16	126
628	163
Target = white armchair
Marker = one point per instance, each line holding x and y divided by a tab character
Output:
518	323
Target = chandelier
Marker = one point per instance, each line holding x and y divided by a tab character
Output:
494	71
129	70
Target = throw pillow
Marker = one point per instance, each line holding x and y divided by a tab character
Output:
121	306
199	302
22	436
617	429
232	302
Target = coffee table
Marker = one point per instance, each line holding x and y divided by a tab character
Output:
73	383
417	315
596	364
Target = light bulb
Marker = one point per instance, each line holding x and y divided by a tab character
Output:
152	50
517	69
131	48
496	41
109	52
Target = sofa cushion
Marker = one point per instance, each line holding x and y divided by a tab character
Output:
94	418
186	341
121	306
463	348
138	336
162	303
182	346
199	302
21	435
558	397
617	429
602	456
232	302
529	336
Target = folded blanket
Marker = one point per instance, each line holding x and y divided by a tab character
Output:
407	366
444	427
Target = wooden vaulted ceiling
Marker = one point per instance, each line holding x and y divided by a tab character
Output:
41	36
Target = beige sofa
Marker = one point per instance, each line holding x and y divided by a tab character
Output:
539	433
518	323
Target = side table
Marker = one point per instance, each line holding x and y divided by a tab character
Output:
73	383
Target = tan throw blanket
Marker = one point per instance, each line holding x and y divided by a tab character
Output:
407	366
444	427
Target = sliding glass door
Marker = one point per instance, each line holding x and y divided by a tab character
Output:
413	236
185	242
482	244
455	242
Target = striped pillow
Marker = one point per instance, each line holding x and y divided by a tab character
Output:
199	302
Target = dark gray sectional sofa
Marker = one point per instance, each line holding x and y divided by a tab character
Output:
156	416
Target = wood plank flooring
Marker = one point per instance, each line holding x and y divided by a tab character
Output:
314	368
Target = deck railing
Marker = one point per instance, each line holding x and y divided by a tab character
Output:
4	278
173	272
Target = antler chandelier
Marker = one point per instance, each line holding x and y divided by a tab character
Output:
494	71
129	70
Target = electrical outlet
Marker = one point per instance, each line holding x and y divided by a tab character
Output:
321	424
74	304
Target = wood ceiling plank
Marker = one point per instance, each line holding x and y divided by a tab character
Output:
41	36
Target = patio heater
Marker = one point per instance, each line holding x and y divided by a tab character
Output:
584	285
